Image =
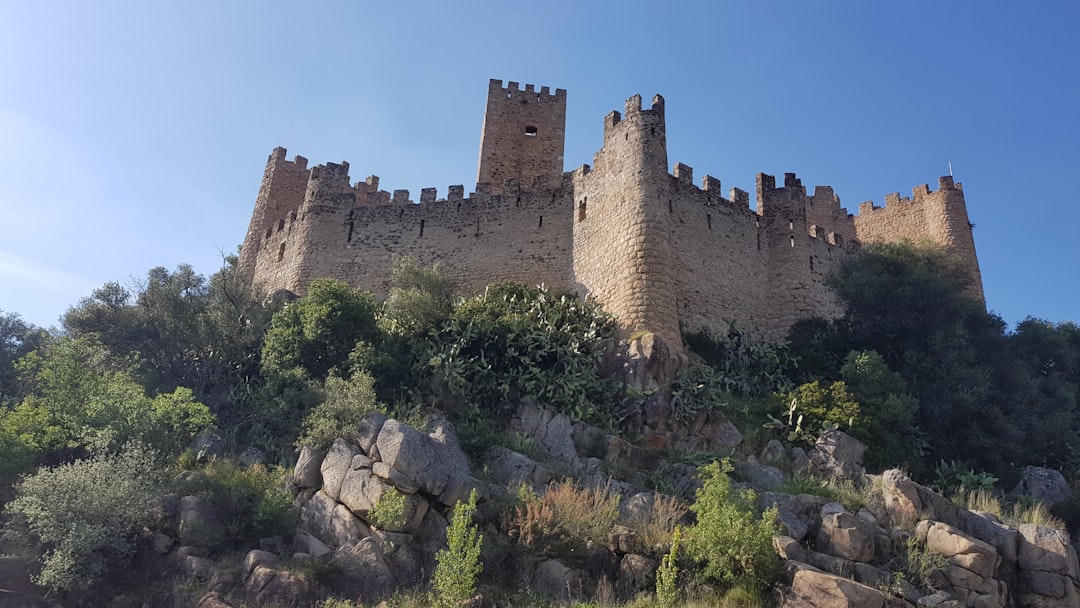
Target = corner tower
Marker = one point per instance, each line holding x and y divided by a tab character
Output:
523	136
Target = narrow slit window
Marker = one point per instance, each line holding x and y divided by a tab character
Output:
791	226
581	210
759	241
793	242
541	224
281	252
281	224
269	231
811	263
708	220
530	131
421	227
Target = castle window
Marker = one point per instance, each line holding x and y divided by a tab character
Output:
530	131
541	225
292	216
281	224
791	226
708	220
281	252
421	227
811	263
269	231
581	210
793	242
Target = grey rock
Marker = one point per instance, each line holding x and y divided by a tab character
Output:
554	579
637	573
335	465
365	567
845	535
394	477
553	433
308	472
430	460
332	522
257	558
197	568
812	588
760	476
1048	550
208	443
837	454
368	432
309	544
1045	485
200	522
269	587
511	469
161	543
361	490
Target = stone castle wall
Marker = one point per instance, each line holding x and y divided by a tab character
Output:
659	252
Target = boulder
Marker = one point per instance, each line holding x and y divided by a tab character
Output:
812	588
554	579
368	432
649	363
306	543
429	460
962	550
552	433
844	535
213	600
1048	550
837	454
511	469
332	522
208	443
308	473
1045	485
906	502
637	573
797	515
760	476
200	522
336	465
256	558
269	587
361	490
364	566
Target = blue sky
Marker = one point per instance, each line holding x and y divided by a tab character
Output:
134	134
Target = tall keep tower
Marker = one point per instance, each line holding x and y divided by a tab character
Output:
523	136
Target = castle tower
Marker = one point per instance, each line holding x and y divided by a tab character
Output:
523	136
622	223
940	216
281	193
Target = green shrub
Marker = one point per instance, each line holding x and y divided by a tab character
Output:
728	541
457	565
843	491
743	366
389	512
667	575
253	500
88	514
419	301
513	341
347	404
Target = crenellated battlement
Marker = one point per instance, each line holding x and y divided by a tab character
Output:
660	252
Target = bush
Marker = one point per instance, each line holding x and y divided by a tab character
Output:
389	512
253	500
743	366
728	541
513	341
667	575
88	514
564	520
347	404
457	566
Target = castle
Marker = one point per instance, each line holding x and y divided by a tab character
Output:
659	252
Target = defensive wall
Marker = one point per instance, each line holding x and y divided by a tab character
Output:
659	252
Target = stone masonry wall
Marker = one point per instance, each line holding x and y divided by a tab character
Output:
523	136
658	252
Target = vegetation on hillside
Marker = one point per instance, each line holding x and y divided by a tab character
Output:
915	368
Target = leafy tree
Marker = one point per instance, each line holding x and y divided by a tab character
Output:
420	300
513	341
17	338
88	515
348	402
81	399
183	330
317	332
888	419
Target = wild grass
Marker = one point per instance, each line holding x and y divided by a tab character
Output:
565	520
843	491
657	525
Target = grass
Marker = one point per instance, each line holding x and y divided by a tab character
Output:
843	491
1024	511
658	525
565	520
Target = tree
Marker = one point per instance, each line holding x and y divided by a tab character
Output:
317	332
420	298
17	338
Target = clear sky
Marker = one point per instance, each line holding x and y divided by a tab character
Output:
134	134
